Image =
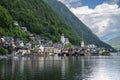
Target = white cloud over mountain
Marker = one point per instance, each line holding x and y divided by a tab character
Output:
103	20
71	3
113	1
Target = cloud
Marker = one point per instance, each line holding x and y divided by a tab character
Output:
113	1
103	20
71	3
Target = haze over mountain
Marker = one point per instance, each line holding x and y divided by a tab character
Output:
77	26
115	42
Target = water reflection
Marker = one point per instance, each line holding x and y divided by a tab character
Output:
61	68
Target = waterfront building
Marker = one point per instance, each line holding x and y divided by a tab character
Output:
23	51
57	50
48	50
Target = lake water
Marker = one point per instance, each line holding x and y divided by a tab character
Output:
61	68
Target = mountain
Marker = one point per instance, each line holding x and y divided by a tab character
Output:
41	19
37	16
73	22
115	42
7	28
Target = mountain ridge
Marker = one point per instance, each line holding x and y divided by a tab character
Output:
115	42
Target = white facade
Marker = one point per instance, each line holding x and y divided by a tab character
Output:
66	40
92	46
41	48
82	44
57	50
16	23
24	28
63	39
3	40
21	44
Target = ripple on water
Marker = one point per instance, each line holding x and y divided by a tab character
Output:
61	68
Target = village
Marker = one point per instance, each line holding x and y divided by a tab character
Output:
44	47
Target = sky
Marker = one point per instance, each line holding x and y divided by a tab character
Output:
101	16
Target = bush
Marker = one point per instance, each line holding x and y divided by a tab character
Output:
105	53
3	51
68	45
34	51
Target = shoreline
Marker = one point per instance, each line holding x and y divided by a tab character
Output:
3	57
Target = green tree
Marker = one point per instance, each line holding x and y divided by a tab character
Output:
68	45
10	50
3	51
5	18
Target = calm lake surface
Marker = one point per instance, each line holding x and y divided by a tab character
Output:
61	68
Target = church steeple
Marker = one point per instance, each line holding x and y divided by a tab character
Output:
82	42
63	38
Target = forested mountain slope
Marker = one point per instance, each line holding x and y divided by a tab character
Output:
38	17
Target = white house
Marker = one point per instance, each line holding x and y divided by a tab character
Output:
57	50
20	43
16	23
41	48
92	46
24	29
49	50
28	45
3	40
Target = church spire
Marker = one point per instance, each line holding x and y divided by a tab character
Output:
82	42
